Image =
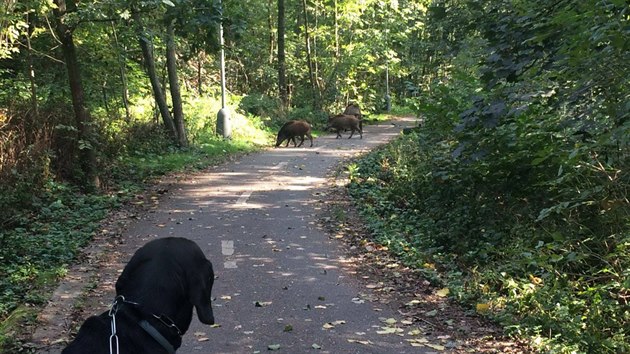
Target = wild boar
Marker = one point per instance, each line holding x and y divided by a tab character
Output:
292	129
345	122
353	110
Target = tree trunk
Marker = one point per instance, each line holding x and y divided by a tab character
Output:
309	60
199	74
173	81
336	32
282	78
123	74
31	69
270	26
158	94
87	153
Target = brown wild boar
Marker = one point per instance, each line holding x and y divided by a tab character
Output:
353	110
292	129
345	122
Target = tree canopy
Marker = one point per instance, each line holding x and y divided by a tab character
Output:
521	162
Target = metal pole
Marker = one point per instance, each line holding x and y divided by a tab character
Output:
222	43
223	117
388	98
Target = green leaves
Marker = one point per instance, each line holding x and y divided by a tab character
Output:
515	183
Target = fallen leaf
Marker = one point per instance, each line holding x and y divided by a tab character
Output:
316	346
203	339
418	340
390	321
431	313
481	308
443	292
435	346
328	325
364	342
535	280
288	328
414	332
273	347
262	303
389	330
413	302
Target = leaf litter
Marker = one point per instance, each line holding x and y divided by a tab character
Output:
431	319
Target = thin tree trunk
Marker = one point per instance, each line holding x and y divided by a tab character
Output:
336	32
158	94
199	74
176	97
105	96
282	79
270	26
31	70
315	61
123	74
87	153
309	60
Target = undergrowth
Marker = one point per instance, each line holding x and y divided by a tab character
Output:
511	249
45	220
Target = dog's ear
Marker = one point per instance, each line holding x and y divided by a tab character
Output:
201	292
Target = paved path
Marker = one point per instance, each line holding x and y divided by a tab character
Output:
281	281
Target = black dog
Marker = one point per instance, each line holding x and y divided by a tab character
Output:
153	308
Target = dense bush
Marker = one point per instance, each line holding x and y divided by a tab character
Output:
260	105
517	184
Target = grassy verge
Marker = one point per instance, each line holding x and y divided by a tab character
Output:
561	284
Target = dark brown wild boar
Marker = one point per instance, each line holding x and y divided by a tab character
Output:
292	129
353	109
343	122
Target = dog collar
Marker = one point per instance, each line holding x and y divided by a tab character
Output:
157	336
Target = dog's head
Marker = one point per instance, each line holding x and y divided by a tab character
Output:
200	285
177	270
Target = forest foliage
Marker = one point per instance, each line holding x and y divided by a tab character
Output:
516	184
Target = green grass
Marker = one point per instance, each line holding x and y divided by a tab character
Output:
396	111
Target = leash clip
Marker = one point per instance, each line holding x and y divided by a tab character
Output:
168	322
114	347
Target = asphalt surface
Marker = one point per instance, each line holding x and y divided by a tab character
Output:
282	283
